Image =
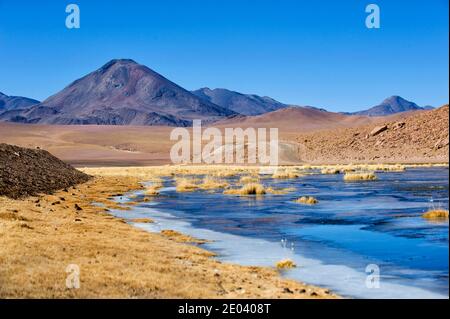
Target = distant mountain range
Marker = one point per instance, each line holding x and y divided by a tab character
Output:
8	103
123	92
246	104
391	105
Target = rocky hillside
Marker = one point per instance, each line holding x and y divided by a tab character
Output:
122	92
27	172
421	137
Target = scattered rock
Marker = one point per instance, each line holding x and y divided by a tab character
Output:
288	291
377	130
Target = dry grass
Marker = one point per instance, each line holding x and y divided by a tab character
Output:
248	189
142	220
369	176
285	174
436	214
181	238
330	171
184	185
210	183
391	168
224	173
285	264
249	179
38	240
148	173
309	200
153	189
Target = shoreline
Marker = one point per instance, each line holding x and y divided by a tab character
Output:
40	236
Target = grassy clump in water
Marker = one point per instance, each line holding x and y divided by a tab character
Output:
210	183
330	171
186	185
369	176
309	200
285	264
249	179
248	189
436	214
286	174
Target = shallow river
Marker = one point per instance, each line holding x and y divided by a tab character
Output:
356	231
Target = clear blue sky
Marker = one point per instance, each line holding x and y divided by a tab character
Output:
302	52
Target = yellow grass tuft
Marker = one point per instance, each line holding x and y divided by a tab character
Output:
436	214
309	200
369	176
248	189
186	185
225	173
285	174
330	171
285	264
213	183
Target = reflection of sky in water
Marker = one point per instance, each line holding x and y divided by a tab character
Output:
353	225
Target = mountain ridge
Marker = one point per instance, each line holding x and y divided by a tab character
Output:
8	103
391	105
121	92
246	104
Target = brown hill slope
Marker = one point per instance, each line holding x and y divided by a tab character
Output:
420	137
300	119
26	172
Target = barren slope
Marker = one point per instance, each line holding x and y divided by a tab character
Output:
421	137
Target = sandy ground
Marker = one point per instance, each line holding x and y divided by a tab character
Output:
103	145
41	236
94	145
